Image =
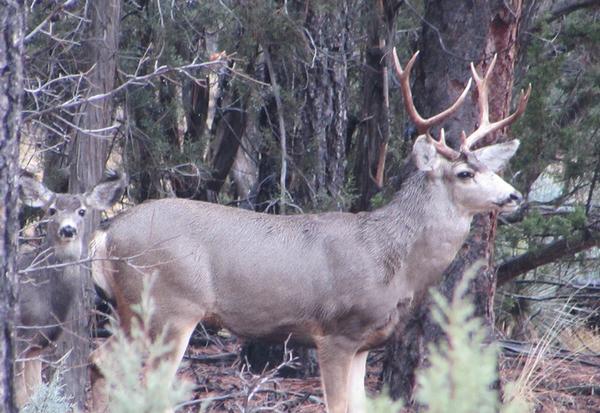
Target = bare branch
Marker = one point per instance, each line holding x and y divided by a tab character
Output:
282	134
133	80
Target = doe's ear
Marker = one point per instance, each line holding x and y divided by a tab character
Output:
424	154
106	193
495	157
34	193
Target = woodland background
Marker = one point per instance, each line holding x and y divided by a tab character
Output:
289	107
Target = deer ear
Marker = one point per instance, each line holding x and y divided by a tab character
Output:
495	157
106	193
34	193
424	154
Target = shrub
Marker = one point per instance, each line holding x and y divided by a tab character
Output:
49	398
135	372
462	369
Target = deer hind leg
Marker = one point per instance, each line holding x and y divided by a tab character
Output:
28	374
178	335
33	375
21	394
99	358
356	385
20	383
335	361
99	391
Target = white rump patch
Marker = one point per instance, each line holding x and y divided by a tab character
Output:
98	253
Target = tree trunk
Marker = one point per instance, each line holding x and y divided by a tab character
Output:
233	120
319	147
88	159
374	126
230	130
12	20
454	35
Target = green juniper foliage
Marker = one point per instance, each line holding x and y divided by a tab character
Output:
558	167
383	404
462	369
49	398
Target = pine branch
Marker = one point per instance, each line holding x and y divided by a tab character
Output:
581	241
567	7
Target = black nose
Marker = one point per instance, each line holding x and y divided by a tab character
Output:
516	196
67	231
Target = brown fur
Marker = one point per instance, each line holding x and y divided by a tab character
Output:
338	281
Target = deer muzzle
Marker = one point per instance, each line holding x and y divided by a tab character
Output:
511	203
67	232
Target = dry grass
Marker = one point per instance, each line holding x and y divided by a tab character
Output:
557	385
581	340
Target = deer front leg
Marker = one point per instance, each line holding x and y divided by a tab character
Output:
356	385
335	360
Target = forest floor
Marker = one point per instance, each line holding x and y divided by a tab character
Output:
221	385
557	384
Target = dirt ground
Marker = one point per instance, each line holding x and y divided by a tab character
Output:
221	385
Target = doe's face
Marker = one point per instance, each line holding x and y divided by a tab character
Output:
65	214
65	218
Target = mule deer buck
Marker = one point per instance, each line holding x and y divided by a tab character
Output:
50	274
339	281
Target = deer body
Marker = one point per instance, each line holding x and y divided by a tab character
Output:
350	266
339	281
44	298
50	273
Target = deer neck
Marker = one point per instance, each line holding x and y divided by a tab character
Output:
419	232
67	252
52	262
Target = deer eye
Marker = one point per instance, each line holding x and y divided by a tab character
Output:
51	211
81	212
465	175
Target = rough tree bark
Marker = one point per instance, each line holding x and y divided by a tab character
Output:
321	137
454	34
374	126
88	158
229	131
12	21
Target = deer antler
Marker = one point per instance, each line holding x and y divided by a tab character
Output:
423	125
485	127
444	149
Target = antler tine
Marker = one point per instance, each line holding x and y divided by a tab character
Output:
423	125
444	149
485	127
404	77
463	139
